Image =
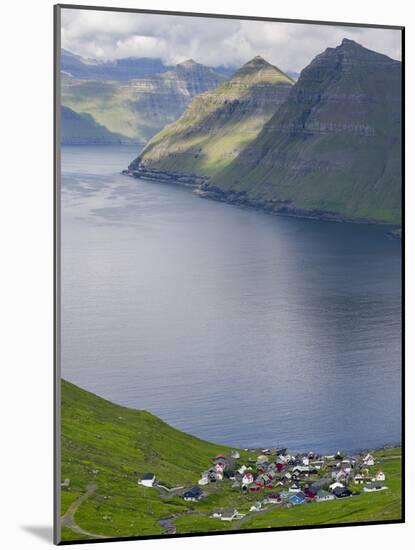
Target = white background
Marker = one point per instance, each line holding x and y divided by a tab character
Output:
26	299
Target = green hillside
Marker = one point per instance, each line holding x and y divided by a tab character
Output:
334	147
82	129
139	108
111	446
105	448
218	124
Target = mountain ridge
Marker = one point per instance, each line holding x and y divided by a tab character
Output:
139	108
217	124
334	147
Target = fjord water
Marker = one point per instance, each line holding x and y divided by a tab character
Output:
233	325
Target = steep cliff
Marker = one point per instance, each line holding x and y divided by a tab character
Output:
217	125
333	149
139	108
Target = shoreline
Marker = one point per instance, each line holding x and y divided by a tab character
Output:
255	449
200	187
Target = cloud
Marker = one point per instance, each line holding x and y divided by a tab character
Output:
229	42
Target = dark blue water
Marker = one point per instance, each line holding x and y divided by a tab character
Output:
231	324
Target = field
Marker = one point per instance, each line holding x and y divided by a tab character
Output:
106	448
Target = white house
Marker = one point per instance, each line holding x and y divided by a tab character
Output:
216	514
256	507
147	480
242	469
203	481
369	460
335	485
229	515
247	479
359	479
235	454
380	476
306	461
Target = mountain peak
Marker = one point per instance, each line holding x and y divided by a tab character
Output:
257	62
188	64
348	42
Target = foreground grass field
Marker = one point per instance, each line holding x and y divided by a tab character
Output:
106	448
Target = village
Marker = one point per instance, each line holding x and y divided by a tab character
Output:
276	477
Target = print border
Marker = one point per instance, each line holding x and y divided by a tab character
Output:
57	267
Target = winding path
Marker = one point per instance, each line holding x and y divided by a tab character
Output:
67	520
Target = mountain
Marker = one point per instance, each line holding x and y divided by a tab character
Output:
333	149
82	129
217	125
127	68
139	108
118	69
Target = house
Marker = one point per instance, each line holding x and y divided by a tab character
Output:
235	454
216	514
229	474
253	487
374	488
229	515
147	480
203	481
256	507
192	495
380	476
295	488
359	479
299	498
342	492
369	460
336	485
242	469
324	495
274	498
346	466
247	479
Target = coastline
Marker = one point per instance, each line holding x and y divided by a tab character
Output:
201	188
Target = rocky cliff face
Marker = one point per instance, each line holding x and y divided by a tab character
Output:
139	108
217	125
333	149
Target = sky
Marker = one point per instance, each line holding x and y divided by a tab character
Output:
214	42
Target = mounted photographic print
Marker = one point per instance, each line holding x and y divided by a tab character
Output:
229	213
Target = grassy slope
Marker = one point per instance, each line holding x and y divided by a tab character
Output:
111	446
103	101
121	444
138	108
81	128
218	124
382	506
